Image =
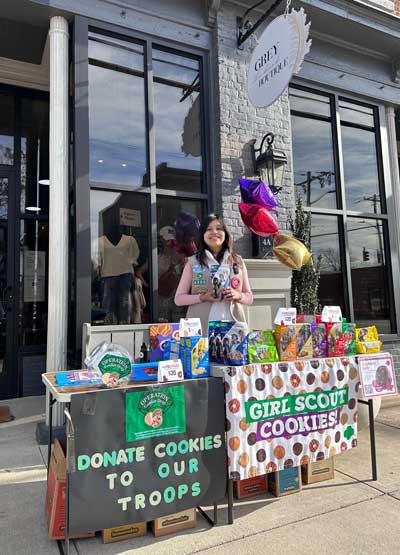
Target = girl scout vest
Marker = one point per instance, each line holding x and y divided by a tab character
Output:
202	281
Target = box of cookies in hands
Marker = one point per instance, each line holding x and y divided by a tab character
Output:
160	335
286	341
194	352
228	343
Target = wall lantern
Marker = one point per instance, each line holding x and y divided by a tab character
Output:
271	161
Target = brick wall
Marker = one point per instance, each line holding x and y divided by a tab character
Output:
240	123
393	347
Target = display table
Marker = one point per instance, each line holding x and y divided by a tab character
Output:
142	451
285	414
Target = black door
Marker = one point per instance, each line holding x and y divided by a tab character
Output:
24	194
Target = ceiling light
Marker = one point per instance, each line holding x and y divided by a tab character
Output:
33	209
44	182
124	165
100	161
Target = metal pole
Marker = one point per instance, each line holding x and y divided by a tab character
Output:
230	501
372	439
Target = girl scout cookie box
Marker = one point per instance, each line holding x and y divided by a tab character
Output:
228	342
262	347
195	357
160	335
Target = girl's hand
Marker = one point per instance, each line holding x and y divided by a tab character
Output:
231	294
209	297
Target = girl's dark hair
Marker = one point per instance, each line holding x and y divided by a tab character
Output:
227	244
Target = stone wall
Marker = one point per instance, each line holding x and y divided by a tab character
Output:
240	123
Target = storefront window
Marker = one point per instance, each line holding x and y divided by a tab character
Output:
145	132
178	222
120	257
35	156
369	272
325	244
7	129
33	282
117	124
360	170
177	119
314	173
359	280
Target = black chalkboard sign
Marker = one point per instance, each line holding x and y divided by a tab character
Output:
145	452
262	246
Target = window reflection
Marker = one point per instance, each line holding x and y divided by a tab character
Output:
35	156
325	243
117	119
356	113
178	222
33	282
314	175
306	101
177	118
120	258
369	272
7	115
360	170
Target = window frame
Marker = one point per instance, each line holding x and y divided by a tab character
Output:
385	186
81	162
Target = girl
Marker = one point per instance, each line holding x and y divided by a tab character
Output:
214	259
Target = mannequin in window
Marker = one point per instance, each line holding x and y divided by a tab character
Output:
118	256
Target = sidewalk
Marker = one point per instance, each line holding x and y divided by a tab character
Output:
349	515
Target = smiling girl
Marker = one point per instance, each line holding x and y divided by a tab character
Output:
214	283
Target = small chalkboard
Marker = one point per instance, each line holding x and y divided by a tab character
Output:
262	246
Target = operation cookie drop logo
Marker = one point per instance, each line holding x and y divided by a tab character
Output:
155	412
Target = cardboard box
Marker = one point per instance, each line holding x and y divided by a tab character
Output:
318	335
304	347
286	342
195	357
349	338
318	471
160	335
228	342
250	486
176	522
285	481
125	532
55	495
334	337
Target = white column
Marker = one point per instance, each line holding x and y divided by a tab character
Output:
59	213
394	164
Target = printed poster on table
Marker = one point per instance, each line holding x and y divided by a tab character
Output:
286	414
144	452
377	375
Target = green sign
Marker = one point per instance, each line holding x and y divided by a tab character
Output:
158	412
317	401
114	363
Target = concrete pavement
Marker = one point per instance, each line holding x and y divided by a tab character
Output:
348	515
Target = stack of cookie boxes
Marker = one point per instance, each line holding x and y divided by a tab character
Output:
307	338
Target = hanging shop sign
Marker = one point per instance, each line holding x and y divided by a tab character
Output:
377	375
287	414
278	55
143	453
